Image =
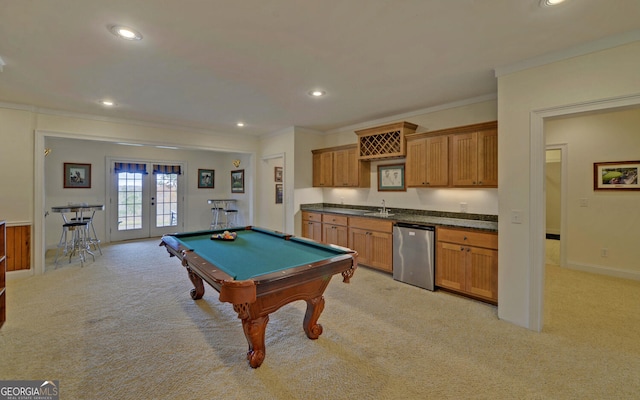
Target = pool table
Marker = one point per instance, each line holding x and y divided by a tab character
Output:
259	272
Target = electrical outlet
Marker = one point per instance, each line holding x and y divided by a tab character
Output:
463	207
604	252
584	202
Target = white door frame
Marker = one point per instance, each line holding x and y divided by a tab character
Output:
536	191
563	147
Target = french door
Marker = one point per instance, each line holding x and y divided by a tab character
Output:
145	200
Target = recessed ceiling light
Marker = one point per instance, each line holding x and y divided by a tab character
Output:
107	103
550	3
125	32
317	93
240	124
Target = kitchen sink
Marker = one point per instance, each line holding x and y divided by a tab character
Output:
379	214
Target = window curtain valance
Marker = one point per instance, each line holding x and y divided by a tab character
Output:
167	169
131	168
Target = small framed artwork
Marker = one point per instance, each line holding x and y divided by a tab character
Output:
237	181
279	193
77	176
206	178
617	175
277	174
391	178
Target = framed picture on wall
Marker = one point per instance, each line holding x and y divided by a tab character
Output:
279	191
617	175
277	174
237	181
206	178
77	176
391	178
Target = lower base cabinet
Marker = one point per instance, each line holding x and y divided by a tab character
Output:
467	263
312	226
373	240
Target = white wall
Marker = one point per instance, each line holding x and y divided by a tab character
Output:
271	214
197	210
580	82
611	219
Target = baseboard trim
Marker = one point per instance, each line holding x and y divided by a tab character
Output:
607	271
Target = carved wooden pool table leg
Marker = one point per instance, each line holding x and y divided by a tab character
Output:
254	332
310	323
198	285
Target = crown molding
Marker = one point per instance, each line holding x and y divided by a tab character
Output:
399	117
94	117
576	51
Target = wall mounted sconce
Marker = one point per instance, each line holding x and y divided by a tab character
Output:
236	163
47	151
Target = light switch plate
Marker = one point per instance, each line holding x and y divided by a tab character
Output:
516	216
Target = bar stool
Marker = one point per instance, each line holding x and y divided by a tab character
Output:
92	237
215	222
231	216
77	243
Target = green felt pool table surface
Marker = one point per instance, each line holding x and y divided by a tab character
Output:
256	252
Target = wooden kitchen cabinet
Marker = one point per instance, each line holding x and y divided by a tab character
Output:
467	263
322	169
334	230
474	157
427	163
373	240
312	225
339	167
464	156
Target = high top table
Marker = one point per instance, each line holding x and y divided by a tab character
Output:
80	210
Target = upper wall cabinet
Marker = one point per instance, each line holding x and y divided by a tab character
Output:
427	161
465	156
340	167
387	141
322	168
474	157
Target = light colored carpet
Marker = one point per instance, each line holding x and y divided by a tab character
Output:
124	327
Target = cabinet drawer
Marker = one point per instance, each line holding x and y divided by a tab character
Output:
334	219
371	224
311	216
468	238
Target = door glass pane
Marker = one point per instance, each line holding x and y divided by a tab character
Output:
167	200
129	201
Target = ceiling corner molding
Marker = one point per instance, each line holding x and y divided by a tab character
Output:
94	117
15	106
576	51
400	117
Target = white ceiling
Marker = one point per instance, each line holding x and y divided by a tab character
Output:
207	64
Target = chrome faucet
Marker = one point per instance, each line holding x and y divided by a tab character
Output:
384	208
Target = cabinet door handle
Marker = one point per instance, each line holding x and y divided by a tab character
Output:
461	248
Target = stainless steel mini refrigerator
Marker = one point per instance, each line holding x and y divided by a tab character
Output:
413	255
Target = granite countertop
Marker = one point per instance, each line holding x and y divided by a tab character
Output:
422	217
